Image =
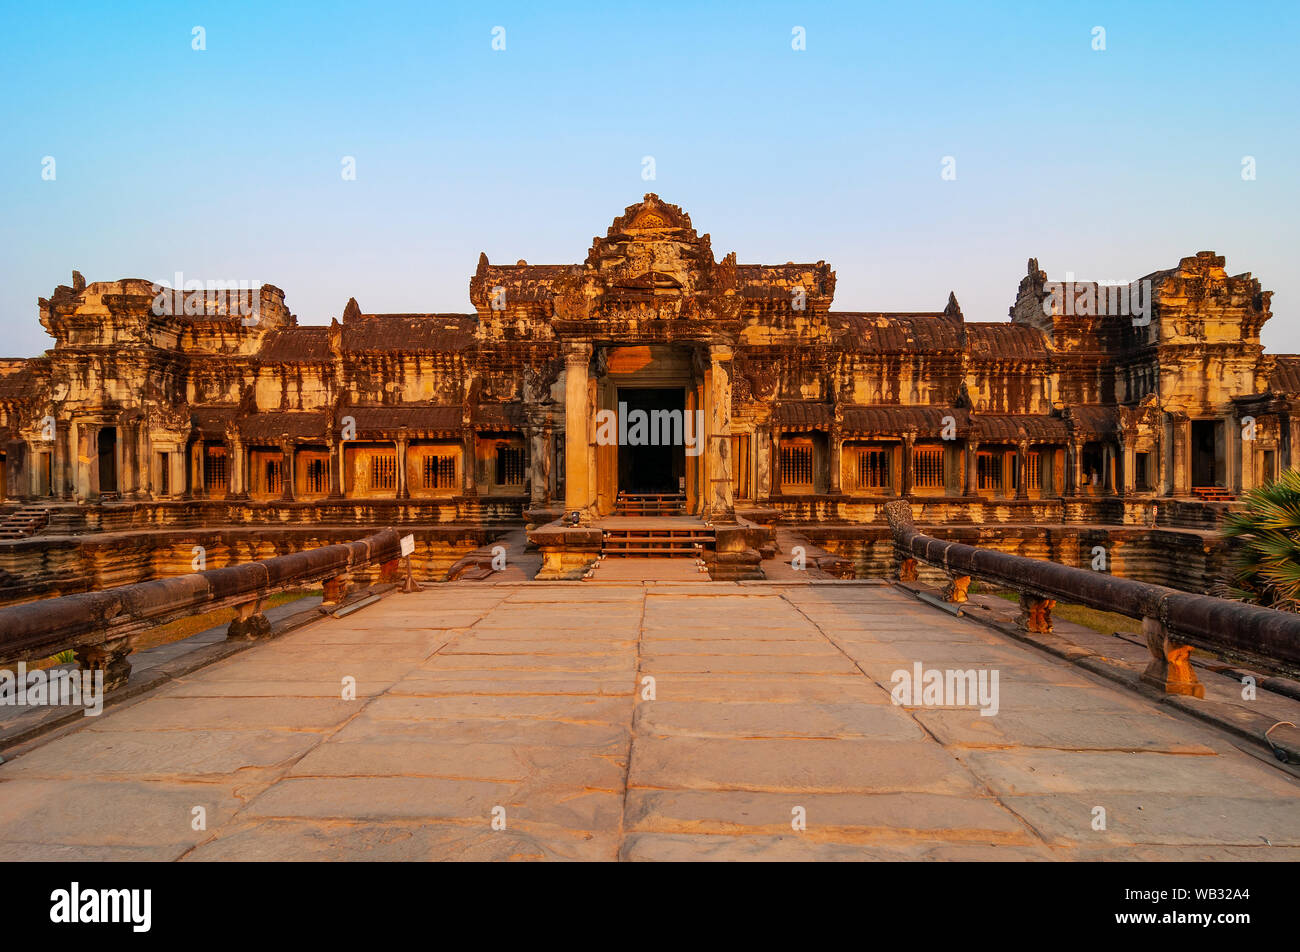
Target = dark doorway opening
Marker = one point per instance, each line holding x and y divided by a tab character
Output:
108	459
1207	453
652	431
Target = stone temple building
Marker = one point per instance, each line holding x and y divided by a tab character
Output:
1094	406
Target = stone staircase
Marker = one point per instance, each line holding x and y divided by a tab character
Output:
24	522
650	504
657	540
1213	493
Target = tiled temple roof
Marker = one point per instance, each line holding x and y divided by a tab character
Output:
500	415
803	413
297	345
1094	421
272	427
1006	341
877	333
1286	374
210	422
414	333
893	421
417	418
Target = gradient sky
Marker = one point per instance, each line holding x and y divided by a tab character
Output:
225	164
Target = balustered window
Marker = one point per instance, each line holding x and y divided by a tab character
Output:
439	471
274	475
383	471
317	475
509	465
872	469
214	469
988	471
927	467
797	465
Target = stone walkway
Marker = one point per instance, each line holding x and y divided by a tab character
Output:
522	705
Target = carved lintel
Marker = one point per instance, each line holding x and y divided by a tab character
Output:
1170	668
249	623
907	570
955	590
111	657
1035	614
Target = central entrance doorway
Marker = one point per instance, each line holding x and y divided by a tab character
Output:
652	458
1208	453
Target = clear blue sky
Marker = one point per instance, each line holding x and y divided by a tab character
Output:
225	163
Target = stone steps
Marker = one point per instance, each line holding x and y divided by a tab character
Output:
24	522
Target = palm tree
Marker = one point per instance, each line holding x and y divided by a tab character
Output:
1264	554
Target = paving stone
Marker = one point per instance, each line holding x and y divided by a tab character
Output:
830	766
776	719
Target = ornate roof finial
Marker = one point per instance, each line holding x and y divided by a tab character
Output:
352	312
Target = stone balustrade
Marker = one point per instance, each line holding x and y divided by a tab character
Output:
1173	622
100	626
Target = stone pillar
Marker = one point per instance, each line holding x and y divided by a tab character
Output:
469	462
577	448
909	444
718	423
87	462
129	483
1022	467
402	443
836	453
1129	455
1074	464
237	467
538	440
1181	457
335	466
972	468
763	463
286	468
1293	447
1234	453
61	462
1248	480
776	461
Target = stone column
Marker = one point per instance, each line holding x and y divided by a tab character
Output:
577	449
1074	467
1022	466
1129	455
469	462
1293	447
402	443
972	468
1247	479
1181	457
87	460
718	423
335	466
763	464
909	444
128	484
538	440
837	457
286	468
61	462
237	463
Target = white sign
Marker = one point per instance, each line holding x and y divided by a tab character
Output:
408	545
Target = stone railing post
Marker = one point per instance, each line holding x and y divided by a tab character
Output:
1170	669
335	590
955	591
1035	614
109	656
249	623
